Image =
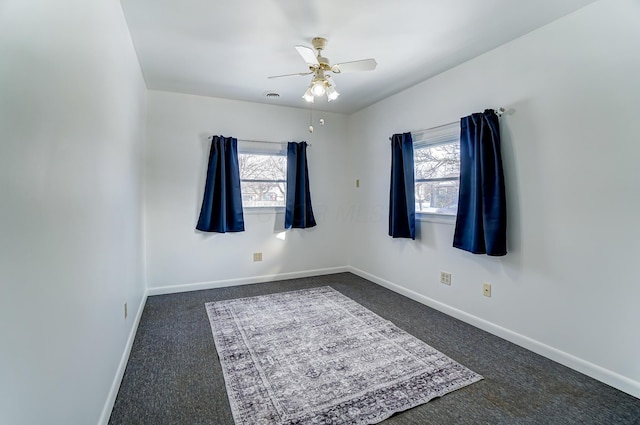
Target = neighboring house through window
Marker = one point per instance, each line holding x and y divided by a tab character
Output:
437	169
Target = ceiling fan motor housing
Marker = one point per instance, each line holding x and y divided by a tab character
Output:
319	43
324	63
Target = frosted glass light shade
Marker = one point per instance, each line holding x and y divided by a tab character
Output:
318	88
308	95
332	94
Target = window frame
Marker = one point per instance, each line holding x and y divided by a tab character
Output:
441	135
266	149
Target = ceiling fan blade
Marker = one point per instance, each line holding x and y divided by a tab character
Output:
291	75
308	55
360	65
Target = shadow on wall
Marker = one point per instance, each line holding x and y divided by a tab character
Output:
521	156
201	176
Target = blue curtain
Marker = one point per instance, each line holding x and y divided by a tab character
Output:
481	223
402	198
222	203
298	210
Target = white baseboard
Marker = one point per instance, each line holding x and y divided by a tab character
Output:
599	373
161	290
609	377
117	380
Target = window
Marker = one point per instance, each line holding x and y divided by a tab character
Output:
437	169
263	174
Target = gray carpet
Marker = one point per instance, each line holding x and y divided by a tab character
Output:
174	377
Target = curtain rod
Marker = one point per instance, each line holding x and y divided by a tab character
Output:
258	141
498	112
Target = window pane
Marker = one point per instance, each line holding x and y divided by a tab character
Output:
263	194
262	167
271	171
437	197
437	161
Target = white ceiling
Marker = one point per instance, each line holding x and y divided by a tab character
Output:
228	48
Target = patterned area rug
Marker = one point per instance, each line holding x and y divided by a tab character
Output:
315	356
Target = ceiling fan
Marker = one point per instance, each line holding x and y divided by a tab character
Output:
322	82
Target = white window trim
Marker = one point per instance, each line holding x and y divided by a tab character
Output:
262	210
436	218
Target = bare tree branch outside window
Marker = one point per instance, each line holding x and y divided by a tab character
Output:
437	175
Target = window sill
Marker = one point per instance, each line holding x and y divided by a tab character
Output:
262	210
436	218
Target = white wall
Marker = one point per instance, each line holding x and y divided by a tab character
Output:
72	107
569	287
72	114
178	257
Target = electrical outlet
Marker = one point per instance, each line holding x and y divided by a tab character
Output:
257	256
125	311
486	289
445	278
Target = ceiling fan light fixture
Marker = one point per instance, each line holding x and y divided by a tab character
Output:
332	94
318	87
308	95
